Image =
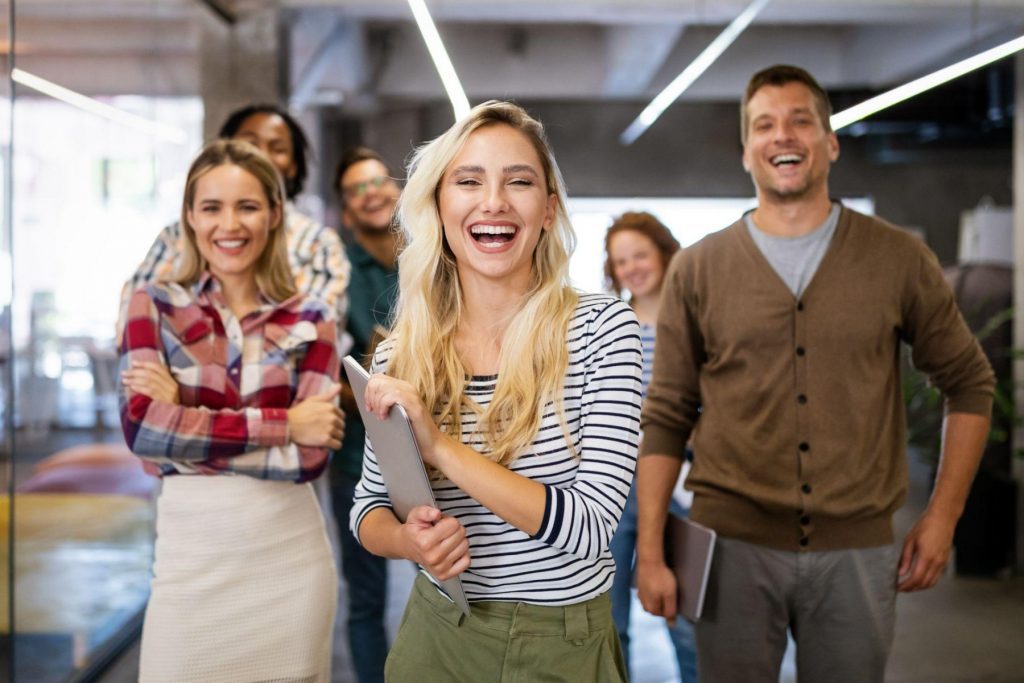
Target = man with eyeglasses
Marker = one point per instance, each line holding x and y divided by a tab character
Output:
368	194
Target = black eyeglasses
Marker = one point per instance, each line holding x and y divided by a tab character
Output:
359	189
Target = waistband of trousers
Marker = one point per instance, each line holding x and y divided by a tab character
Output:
572	622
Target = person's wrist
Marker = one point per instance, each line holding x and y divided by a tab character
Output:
444	454
400	543
647	556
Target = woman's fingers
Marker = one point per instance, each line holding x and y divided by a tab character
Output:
382	392
438	543
152	380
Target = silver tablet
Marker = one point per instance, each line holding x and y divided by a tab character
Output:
689	549
400	463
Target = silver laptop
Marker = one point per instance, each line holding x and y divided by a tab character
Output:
400	463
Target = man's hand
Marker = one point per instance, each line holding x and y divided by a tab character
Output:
926	548
658	590
925	553
316	422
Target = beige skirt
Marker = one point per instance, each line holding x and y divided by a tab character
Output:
244	584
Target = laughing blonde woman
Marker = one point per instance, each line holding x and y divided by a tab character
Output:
525	398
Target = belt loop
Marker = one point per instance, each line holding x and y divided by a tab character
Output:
576	625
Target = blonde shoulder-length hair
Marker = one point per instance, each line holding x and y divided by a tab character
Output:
534	350
273	273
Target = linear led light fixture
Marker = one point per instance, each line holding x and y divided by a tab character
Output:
450	80
691	73
159	130
915	87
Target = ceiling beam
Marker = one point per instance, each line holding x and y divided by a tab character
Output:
219	8
634	55
342	48
878	56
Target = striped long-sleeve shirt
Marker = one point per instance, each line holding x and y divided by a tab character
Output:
237	379
647	336
315	254
567	561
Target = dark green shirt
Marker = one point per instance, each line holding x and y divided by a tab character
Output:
372	292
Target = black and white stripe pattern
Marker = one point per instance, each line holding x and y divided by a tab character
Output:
568	560
647	336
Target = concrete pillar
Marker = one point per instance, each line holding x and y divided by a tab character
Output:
240	63
1018	296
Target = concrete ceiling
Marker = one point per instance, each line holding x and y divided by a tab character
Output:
358	54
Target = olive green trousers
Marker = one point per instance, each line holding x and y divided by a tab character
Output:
504	642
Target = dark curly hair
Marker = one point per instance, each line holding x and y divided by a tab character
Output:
300	145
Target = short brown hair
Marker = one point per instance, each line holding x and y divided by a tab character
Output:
648	226
778	76
349	158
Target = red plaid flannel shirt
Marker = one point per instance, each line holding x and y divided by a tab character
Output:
237	379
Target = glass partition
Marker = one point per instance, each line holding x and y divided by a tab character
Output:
104	120
6	376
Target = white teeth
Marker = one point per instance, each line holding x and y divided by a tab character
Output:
786	159
230	244
492	230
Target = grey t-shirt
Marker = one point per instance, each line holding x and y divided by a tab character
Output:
796	259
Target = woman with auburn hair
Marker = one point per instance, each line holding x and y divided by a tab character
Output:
228	386
638	248
524	397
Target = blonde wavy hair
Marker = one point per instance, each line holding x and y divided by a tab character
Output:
532	367
273	273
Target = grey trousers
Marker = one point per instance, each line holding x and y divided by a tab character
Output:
838	604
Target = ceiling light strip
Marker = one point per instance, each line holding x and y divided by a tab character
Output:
918	86
119	116
691	73
450	80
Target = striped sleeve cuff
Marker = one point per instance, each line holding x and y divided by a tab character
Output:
551	522
357	520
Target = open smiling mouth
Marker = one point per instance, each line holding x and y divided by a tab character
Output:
231	245
493	236
786	160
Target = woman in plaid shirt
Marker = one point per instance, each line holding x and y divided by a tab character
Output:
228	387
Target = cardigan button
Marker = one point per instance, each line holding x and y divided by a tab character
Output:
800	351
806	488
804	446
805	520
804	541
801	399
799	305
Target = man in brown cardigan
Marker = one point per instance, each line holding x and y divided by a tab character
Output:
779	350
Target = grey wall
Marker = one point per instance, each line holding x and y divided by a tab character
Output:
694	150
